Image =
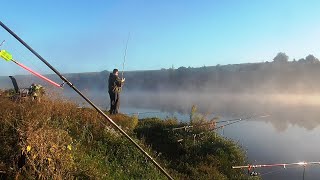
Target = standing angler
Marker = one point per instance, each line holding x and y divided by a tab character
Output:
115	87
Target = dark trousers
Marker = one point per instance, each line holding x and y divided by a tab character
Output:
114	102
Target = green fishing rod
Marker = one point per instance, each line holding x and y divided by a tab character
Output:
64	79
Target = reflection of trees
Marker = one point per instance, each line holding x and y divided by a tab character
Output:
281	115
298	116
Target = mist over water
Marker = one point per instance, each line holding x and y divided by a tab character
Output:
290	134
284	109
295	106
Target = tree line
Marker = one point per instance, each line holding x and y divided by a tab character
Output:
279	75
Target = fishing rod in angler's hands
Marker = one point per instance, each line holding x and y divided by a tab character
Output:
124	57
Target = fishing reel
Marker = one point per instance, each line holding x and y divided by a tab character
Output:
253	172
62	84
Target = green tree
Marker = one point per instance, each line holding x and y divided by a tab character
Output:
281	58
311	59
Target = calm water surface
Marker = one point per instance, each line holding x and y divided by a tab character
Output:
291	134
266	143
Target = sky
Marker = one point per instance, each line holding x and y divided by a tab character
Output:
90	36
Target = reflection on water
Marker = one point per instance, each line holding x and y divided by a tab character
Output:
265	144
300	110
285	109
290	134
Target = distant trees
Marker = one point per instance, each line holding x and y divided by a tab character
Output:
281	58
182	69
104	72
311	59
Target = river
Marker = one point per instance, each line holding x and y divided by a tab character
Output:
265	143
290	134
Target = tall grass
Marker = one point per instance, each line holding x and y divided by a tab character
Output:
54	139
190	154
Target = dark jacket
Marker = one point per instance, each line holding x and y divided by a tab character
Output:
114	83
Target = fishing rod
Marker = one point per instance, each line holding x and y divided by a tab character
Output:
236	121
125	55
150	112
8	57
204	124
230	120
233	121
87	100
284	165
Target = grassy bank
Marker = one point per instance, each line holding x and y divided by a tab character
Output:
56	140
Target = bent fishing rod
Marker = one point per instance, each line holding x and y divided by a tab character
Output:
64	79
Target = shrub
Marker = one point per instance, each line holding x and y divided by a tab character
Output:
54	139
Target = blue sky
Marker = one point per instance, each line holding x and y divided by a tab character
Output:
86	36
